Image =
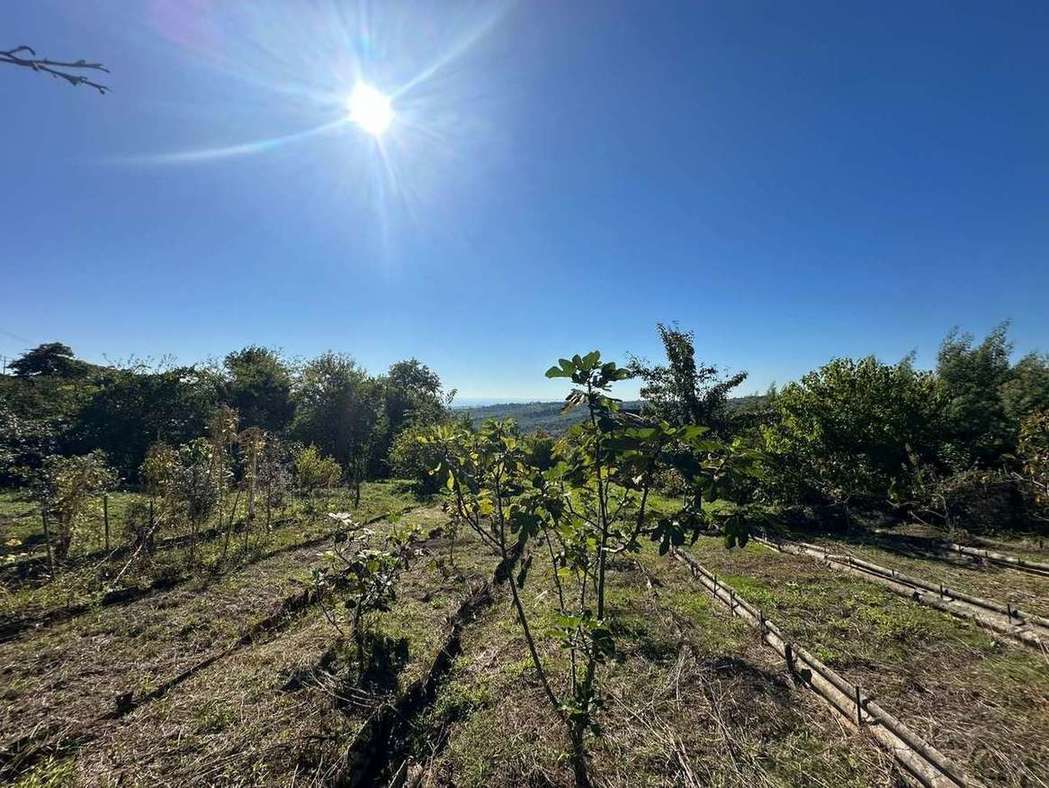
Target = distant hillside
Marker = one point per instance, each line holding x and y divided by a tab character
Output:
529	416
547	416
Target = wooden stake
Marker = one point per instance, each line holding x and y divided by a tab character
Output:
47	539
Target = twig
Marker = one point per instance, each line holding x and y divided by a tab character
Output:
56	68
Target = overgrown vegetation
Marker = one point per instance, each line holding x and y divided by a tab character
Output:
230	466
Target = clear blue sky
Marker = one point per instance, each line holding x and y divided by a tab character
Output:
793	181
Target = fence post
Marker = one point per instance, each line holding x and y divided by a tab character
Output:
105	517
47	539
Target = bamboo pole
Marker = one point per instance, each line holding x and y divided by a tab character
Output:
922	761
899	582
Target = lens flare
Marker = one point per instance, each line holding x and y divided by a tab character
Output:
370	109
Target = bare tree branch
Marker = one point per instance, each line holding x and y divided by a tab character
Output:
56	68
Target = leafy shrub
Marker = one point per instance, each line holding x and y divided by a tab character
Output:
578	502
1034	453
850	432
363	568
314	471
413	458
68	487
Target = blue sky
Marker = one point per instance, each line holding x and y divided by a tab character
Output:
792	181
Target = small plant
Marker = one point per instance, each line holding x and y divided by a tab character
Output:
160	473
363	568
252	442
222	434
577	507
198	486
274	476
68	488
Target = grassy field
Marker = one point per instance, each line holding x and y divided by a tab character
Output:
982	701
229	671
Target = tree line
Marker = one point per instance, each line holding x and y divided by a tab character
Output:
53	403
963	444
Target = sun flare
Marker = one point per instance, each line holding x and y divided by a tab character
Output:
370	109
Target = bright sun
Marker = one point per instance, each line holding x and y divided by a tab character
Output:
370	109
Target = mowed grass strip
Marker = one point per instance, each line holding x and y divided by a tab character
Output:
690	699
1029	592
60	681
269	714
982	701
1030	546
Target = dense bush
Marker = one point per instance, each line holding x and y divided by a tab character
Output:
314	471
413	458
1034	454
851	432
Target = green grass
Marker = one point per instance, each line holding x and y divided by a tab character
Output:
687	680
975	697
85	581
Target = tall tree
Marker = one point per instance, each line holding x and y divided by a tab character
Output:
413	394
685	391
340	410
1026	392
52	359
259	388
135	407
972	376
